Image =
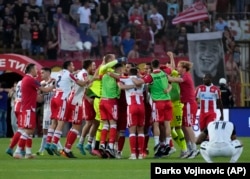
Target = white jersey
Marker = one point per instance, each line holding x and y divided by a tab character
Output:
64	82
220	131
48	96
137	93
79	91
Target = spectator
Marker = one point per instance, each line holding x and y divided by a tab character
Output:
144	41
232	70
73	16
93	5
115	32
65	5
52	50
136	5
135	18
56	16
25	36
96	35
50	11
102	26
162	8
175	5
19	10
127	44
36	41
159	22
126	4
226	94
105	9
220	24
3	109
133	54
181	46
84	17
9	31
171	30
236	55
33	10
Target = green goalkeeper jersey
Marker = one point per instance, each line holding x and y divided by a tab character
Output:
160	83
110	88
175	91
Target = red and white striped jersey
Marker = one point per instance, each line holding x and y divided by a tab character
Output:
134	95
64	82
77	92
208	96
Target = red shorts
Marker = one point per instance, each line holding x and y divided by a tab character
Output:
108	109
122	116
18	113
162	111
89	111
189	114
136	115
58	107
206	118
29	118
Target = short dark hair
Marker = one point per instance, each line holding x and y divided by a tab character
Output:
66	64
29	67
118	65
133	71
87	64
46	69
155	63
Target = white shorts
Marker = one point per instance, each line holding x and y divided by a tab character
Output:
46	117
225	149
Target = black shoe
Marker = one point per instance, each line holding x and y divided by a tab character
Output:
111	152
157	151
68	154
103	152
165	150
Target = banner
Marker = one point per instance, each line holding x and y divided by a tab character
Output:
69	35
196	12
207	54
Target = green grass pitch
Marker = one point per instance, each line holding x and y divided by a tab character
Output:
90	167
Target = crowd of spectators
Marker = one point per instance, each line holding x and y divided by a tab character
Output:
132	28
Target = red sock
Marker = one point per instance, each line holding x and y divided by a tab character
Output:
29	142
56	137
121	142
22	141
112	134
104	134
132	142
140	143
15	139
71	137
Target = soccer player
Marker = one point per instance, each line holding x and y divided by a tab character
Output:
20	122
222	141
122	115
76	108
47	82
136	113
161	107
91	124
209	97
96	87
29	88
187	93
109	111
176	124
148	110
59	108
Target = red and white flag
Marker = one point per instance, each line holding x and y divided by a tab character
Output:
197	12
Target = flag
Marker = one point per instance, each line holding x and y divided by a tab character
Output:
69	35
197	12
